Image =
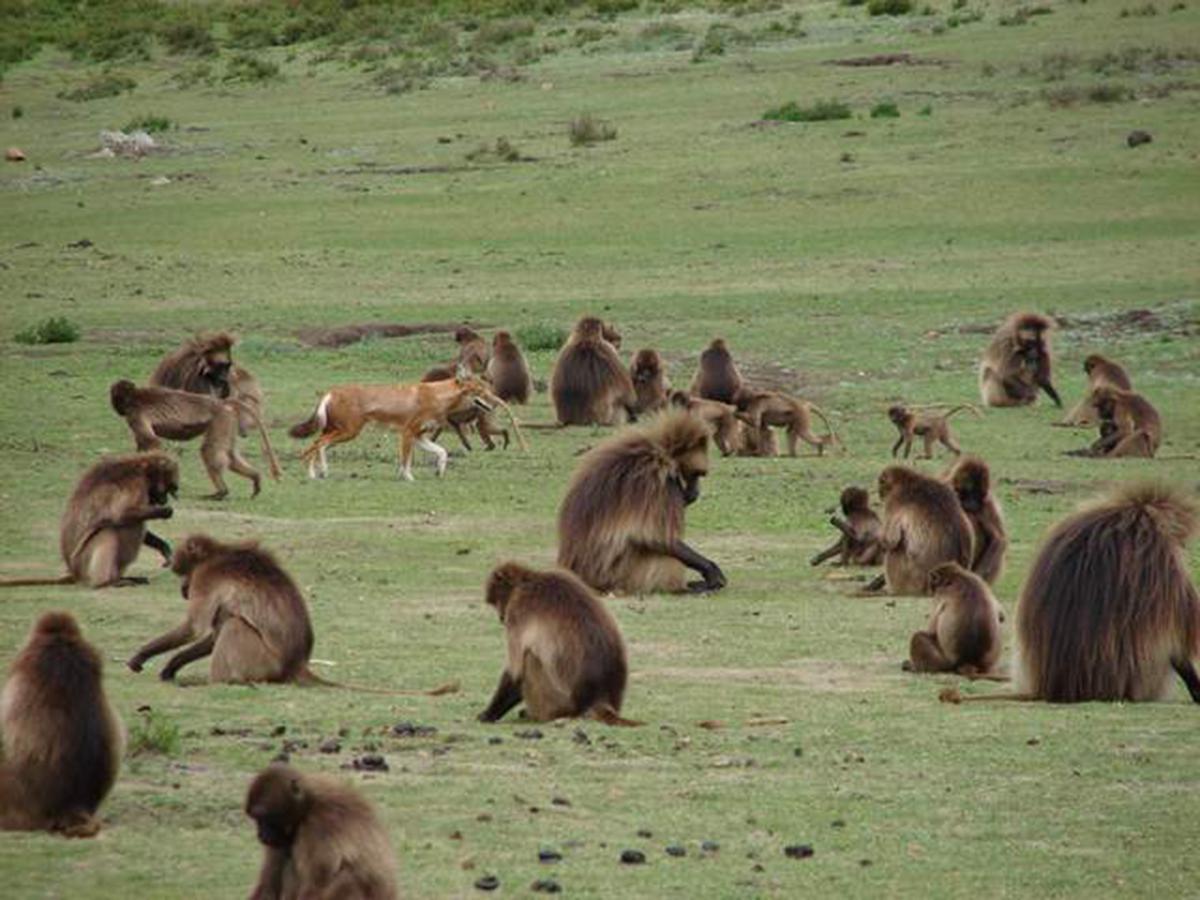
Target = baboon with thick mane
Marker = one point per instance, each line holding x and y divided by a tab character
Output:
590	385
971	479
204	365
717	376
1018	362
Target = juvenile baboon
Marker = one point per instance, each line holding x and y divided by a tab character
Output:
320	838
721	419
104	524
860	532
971	480
1129	424
1018	362
923	527
154	413
508	370
590	385
717	377
767	409
930	427
473	352
963	634
62	739
649	381
756	441
482	420
1108	610
204	365
1101	372
621	523
565	655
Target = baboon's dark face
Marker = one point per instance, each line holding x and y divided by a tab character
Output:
898	414
854	500
163	483
215	368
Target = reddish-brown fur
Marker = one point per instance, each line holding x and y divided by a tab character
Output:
472	417
621	523
565	658
762	410
720	418
963	634
971	480
62	738
321	839
590	385
1129	424
930	427
204	365
923	527
717	377
1101	372
649	381
859	543
1018	362
508	370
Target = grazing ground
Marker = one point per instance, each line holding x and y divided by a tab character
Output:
857	262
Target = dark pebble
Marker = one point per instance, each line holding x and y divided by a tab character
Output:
487	883
1138	137
330	745
531	735
409	729
281	758
279	730
545	886
581	737
548	856
371	762
710	846
560	801
676	850
838	823
798	851
645	833
633	857
496	740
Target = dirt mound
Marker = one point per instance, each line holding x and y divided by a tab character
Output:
884	59
343	335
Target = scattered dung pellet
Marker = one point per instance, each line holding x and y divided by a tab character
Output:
487	883
560	801
710	846
370	762
547	855
545	886
798	851
531	734
411	729
676	850
633	857
645	833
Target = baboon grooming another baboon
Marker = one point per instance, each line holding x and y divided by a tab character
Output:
971	480
649	381
590	385
767	409
204	365
963	634
923	527
861	529
566	657
1109	610
621	523
154	413
721	419
62	739
1018	362
320	839
717	377
1101	372
930	427
508	370
1129	424
104	524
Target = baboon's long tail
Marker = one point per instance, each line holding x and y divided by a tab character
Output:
314	423
308	678
602	712
31	582
833	434
492	398
953	695
263	437
955	409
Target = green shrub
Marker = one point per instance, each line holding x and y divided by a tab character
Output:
151	124
587	129
821	111
540	336
885	109
1108	93
889	7
190	34
248	67
503	31
55	330
154	732
18	111
106	84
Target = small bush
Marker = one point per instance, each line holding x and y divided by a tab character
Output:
189	36
587	129
18	111
154	732
248	67
1108	93
889	7
501	151
821	111
55	330
1056	65
106	84
540	336
885	109
150	124
925	110
193	75
503	31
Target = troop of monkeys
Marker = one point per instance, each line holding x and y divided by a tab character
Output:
1108	611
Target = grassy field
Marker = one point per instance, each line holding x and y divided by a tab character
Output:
857	262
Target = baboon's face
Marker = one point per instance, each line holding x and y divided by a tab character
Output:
162	483
215	366
854	500
897	414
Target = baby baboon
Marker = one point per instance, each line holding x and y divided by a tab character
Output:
930	427
971	480
320	838
649	381
62	739
861	529
923	527
590	385
566	657
756	441
963	634
717	377
1101	372
508	370
1129	424
765	409
154	413
721	419
1018	362
204	365
621	523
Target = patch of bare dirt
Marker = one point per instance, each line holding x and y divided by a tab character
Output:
344	335
1163	320
885	59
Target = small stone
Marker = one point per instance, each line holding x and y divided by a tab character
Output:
545	886
633	857
581	737
549	856
496	739
560	801
1137	137
370	762
838	823
531	734
278	730
676	850
330	745
409	729
798	851
456	835
710	846
487	883
645	833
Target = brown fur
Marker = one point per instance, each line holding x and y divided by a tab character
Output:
62	738
204	365
717	377
930	427
473	351
472	417
1101	372
565	654
1129	424
720	418
649	381
589	385
971	480
154	413
859	543
766	409
621	523
963	634
753	441
1018	362
321	839
923	527
508	370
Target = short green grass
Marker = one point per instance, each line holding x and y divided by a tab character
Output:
858	262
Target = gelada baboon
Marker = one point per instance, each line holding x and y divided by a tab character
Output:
104	524
621	523
508	370
473	351
156	413
590	385
1101	372
717	377
1129	424
971	479
963	634
204	365
923	527
775	409
566	657
756	441
930	427
62	739
721	419
483	421
1108	610
860	532
320	839
649	381
1018	362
